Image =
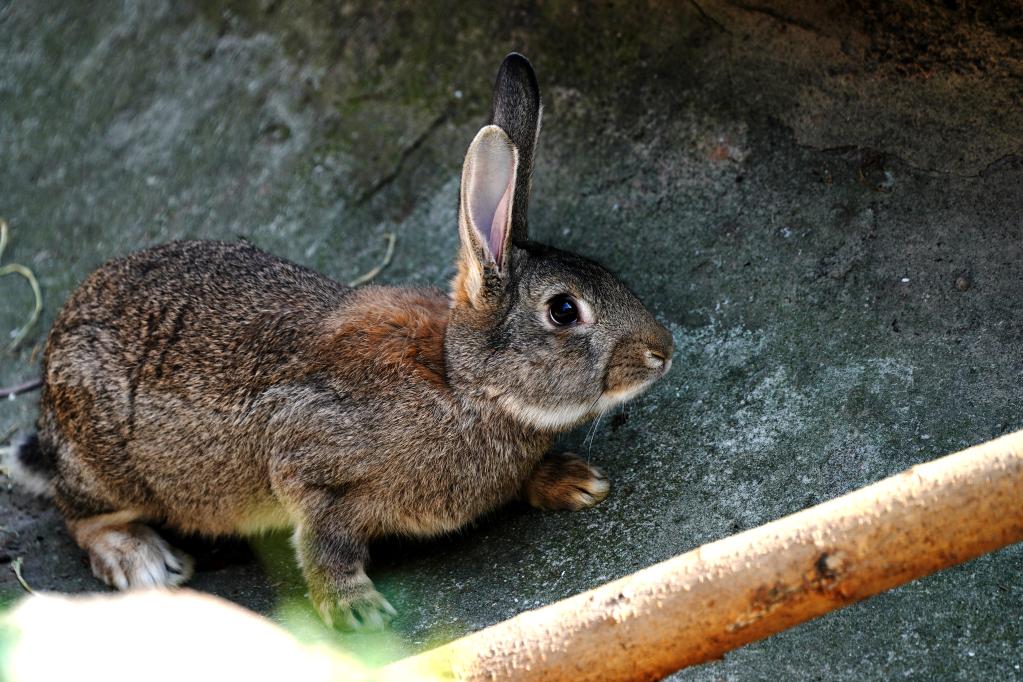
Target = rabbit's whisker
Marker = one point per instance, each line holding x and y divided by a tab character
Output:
592	431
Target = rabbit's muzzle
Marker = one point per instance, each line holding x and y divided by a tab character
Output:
638	361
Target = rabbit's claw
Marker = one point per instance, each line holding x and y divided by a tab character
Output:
135	556
364	609
565	481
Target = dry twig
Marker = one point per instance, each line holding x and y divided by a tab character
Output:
18	269
16	567
369	276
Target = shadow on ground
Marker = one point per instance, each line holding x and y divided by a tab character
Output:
823	204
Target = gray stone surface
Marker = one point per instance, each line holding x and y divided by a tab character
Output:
794	190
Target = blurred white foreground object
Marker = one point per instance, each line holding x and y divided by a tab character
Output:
156	635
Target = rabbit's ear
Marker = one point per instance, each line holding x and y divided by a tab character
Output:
516	109
485	204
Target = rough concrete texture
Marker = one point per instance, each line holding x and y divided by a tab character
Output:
822	202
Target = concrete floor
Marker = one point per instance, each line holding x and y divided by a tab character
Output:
824	205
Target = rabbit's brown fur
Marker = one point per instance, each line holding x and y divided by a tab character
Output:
218	389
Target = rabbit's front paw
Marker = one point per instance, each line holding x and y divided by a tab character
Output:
357	606
565	481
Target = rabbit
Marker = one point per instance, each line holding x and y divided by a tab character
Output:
213	388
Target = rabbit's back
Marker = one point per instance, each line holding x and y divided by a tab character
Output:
157	372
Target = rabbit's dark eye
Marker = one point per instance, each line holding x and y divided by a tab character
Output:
563	310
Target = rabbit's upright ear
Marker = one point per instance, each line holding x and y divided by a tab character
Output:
516	109
485	208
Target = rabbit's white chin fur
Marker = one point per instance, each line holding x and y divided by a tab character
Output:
546	418
567	414
611	399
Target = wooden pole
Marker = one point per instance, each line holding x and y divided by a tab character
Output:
697	606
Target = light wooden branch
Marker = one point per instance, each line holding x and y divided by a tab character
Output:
697	606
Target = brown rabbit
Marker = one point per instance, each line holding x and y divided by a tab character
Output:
217	389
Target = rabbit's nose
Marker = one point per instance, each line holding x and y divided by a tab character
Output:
655	358
658	354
